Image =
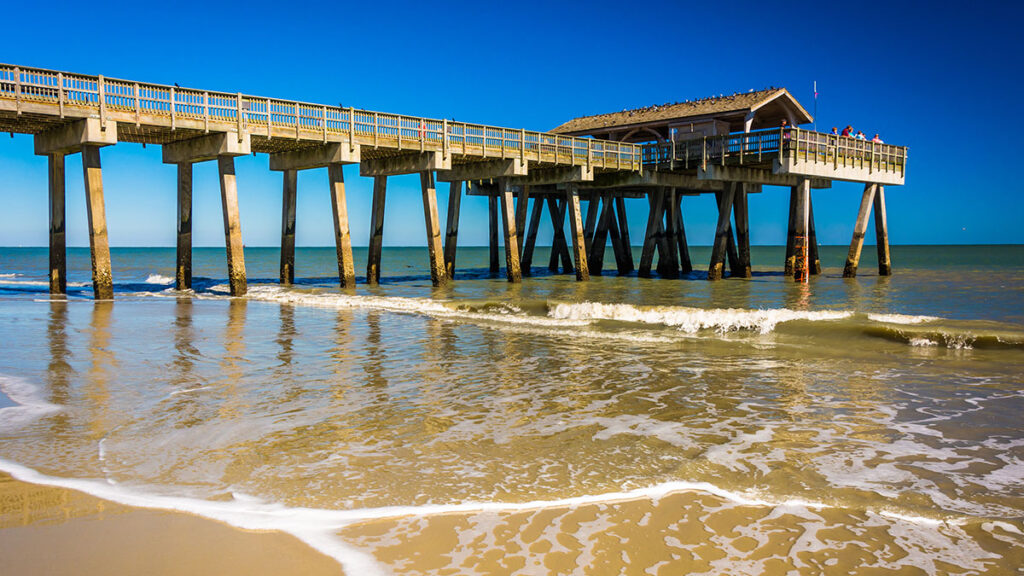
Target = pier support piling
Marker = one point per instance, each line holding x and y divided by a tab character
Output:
801	266
376	244
290	178
508	221
58	238
815	259
859	228
559	244
451	238
668	259
579	246
102	279
622	225
183	267
722	233
791	233
342	234
232	225
882	233
685	265
599	241
529	244
655	200
742	218
492	233
435	252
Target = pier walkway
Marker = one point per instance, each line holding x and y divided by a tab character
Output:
74	113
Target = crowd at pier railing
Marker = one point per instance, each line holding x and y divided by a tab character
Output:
308	121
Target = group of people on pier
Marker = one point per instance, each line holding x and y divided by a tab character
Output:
848	132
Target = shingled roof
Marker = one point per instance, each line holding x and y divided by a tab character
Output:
742	102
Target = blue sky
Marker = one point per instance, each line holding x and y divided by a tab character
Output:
939	77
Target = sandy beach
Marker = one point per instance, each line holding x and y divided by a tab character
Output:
47	530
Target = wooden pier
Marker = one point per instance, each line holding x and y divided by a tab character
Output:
73	113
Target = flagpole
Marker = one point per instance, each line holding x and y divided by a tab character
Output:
815	105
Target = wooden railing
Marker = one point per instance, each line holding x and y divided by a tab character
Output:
171	104
753	148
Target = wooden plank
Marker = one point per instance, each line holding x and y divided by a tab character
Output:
451	238
531	235
655	200
741	215
58	233
232	225
99	248
882	233
436	253
342	234
725	200
859	228
492	221
508	220
579	245
183	268
290	178
376	244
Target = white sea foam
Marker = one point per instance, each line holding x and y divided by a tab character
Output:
10	275
31	404
901	318
923	342
159	279
424	306
691	320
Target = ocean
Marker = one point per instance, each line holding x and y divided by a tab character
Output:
617	426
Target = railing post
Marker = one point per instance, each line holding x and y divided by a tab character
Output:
138	112
296	120
444	138
351	128
239	115
375	129
871	163
174	111
206	111
101	92
323	120
590	154
60	91
522	151
270	132
17	88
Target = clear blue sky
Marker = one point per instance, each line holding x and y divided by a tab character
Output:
943	78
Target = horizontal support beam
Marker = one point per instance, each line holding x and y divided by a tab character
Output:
69	138
853	172
652	178
757	176
555	175
483	170
405	164
208	147
315	157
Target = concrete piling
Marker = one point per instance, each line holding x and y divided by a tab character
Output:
102	279
722	232
579	245
492	225
859	228
342	235
58	239
290	178
508	221
882	233
438	275
183	265
451	238
801	266
376	244
742	218
531	235
232	225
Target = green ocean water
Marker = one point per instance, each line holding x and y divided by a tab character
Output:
620	425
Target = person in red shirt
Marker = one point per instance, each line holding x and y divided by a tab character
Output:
848	131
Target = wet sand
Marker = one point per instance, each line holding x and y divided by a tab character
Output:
47	530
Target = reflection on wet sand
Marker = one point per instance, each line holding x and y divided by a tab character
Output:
102	368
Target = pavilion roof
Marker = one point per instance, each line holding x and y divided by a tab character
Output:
742	102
